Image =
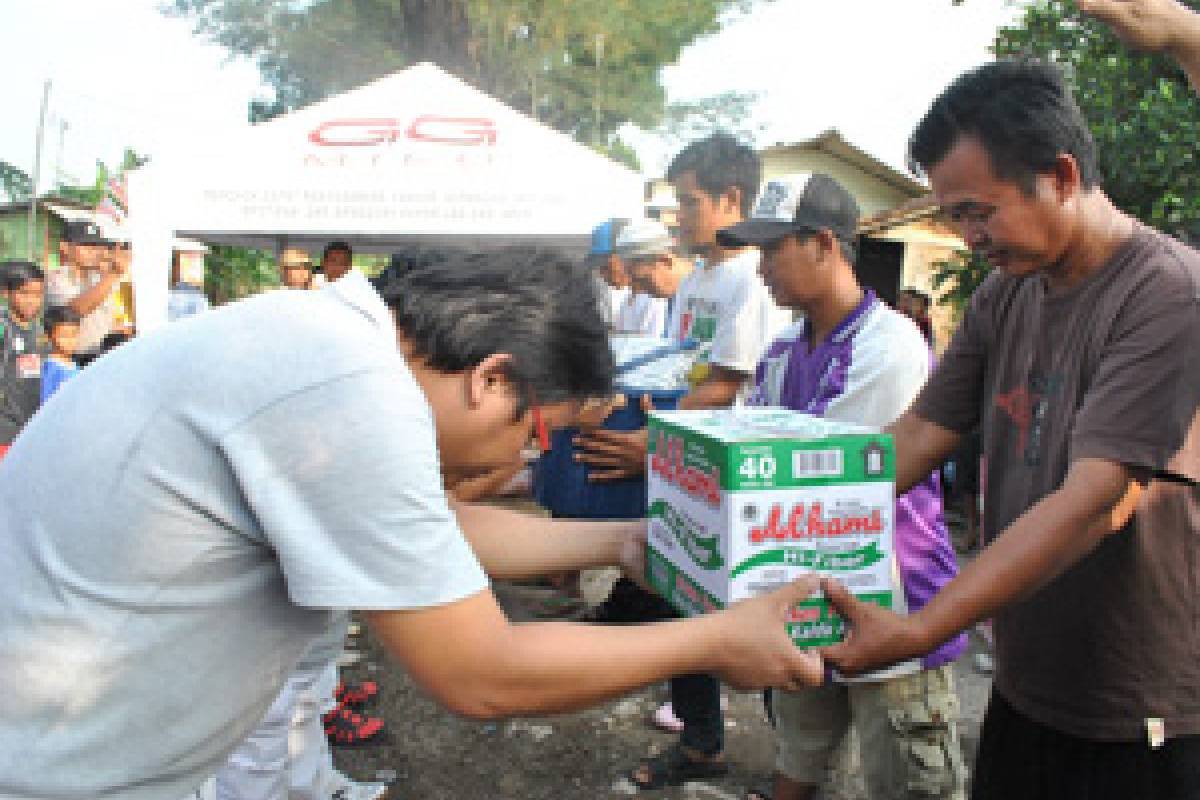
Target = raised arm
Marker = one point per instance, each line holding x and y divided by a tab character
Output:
1160	26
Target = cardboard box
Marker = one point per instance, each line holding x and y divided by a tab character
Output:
742	501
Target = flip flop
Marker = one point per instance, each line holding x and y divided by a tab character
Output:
673	767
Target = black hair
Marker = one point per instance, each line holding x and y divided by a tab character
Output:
1021	112
15	274
532	303
337	246
720	162
59	315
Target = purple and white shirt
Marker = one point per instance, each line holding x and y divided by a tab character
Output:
868	371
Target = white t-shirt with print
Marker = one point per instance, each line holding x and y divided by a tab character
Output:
728	309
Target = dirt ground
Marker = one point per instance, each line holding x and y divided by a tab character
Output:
433	755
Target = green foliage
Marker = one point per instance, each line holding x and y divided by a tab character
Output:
89	194
585	67
1143	115
231	273
955	279
14	183
730	112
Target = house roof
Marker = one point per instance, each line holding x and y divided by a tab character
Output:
914	210
51	203
832	143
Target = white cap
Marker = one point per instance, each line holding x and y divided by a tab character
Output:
644	237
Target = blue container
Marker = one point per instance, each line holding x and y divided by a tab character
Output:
560	483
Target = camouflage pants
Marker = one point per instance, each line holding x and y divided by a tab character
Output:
908	739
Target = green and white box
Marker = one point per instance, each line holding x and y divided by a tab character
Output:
742	501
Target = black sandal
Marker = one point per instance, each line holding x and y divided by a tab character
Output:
673	767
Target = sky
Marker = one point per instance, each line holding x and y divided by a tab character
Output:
123	74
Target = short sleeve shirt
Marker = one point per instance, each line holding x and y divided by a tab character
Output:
642	314
728	310
22	351
63	285
244	476
867	371
1108	369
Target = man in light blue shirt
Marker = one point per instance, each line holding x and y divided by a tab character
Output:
237	480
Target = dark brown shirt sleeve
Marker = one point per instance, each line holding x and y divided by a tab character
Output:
953	395
1143	394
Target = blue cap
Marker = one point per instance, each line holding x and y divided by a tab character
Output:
603	239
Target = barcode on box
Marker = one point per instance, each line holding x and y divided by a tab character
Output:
817	463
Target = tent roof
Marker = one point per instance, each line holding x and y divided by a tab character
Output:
414	156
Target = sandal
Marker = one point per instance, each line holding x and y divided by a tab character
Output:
673	767
355	695
345	728
763	792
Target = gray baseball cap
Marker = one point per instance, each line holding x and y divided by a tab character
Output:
801	203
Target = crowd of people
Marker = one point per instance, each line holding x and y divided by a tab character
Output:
170	623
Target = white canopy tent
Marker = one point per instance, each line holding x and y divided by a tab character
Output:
418	157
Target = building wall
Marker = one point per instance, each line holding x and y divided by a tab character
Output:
872	194
925	244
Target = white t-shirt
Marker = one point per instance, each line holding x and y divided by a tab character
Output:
616	301
642	314
728	309
186	516
64	284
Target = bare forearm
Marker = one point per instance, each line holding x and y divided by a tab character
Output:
719	390
921	447
1187	48
558	667
512	545
1039	546
90	299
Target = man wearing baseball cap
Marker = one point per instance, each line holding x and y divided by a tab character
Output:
724	307
85	282
854	359
612	282
647	249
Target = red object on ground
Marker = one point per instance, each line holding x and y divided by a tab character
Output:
355	695
344	727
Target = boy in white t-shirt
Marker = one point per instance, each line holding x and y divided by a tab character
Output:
725	306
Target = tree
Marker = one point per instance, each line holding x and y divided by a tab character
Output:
231	273
686	121
15	184
1142	113
956	278
585	67
91	194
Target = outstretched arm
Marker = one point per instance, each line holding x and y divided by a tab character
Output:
1097	499
477	663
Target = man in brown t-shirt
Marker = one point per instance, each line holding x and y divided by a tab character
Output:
1078	357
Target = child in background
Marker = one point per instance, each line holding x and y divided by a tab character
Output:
62	327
